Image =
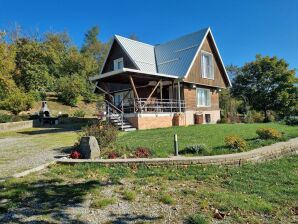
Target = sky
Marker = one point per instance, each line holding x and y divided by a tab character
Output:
241	28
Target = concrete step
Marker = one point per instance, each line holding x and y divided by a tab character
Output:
129	129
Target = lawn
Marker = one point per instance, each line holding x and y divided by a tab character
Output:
84	193
160	141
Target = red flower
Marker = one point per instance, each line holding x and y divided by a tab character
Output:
75	154
142	152
113	155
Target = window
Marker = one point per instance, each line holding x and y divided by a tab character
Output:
207	65
203	97
118	64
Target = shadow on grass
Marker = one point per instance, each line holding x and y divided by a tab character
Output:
45	199
128	218
52	129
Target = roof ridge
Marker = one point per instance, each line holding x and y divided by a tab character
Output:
134	40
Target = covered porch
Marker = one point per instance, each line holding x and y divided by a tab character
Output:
130	91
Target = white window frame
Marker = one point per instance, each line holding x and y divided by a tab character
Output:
211	69
207	100
116	64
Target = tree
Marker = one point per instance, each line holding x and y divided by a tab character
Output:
267	84
233	71
32	73
133	36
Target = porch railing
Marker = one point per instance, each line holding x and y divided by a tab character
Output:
154	105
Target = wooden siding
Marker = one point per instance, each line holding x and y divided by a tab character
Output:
115	53
191	99
195	75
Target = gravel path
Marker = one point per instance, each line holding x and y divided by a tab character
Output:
29	148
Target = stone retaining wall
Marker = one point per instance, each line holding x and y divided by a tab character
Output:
257	155
13	126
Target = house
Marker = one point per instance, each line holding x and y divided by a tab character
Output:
177	82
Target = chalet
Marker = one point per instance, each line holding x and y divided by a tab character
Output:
174	83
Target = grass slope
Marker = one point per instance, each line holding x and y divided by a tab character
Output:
252	193
160	141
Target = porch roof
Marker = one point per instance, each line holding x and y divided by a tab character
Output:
121	76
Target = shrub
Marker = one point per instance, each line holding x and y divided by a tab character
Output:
75	154
5	118
17	101
196	149
69	89
268	133
292	120
113	155
142	152
254	117
105	134
197	219
222	120
235	142
79	113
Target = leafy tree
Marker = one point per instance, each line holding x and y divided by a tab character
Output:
267	84
233	71
32	72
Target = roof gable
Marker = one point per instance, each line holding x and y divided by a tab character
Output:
175	57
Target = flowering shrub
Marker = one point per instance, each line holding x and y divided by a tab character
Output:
75	154
113	155
235	142
268	133
142	152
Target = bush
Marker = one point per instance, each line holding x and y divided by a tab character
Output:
196	149
293	120
235	142
268	133
197	219
69	89
17	101
254	117
167	199
79	113
105	134
222	120
5	118
142	152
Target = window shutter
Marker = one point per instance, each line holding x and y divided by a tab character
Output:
202	66
115	65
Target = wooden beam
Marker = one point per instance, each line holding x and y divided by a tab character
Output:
155	87
161	90
133	87
179	97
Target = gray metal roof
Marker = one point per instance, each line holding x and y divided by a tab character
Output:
171	58
142	54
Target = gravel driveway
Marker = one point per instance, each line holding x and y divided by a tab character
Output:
28	148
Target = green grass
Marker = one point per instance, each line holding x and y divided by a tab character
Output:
129	195
160	141
197	219
103	202
252	193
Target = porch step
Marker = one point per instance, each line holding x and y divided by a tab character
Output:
125	127
129	129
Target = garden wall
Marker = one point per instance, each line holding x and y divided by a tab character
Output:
257	155
13	126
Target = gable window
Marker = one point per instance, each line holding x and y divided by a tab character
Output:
203	97
207	65
118	64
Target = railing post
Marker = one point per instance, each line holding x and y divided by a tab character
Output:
108	112
122	121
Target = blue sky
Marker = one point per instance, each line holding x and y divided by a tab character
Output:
241	28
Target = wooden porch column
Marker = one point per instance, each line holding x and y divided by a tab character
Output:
155	87
160	89
133	87
179	97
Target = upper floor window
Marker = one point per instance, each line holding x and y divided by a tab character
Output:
207	65
118	64
203	97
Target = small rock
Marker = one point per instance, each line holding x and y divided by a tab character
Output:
219	215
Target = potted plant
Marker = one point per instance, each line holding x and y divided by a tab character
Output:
178	119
